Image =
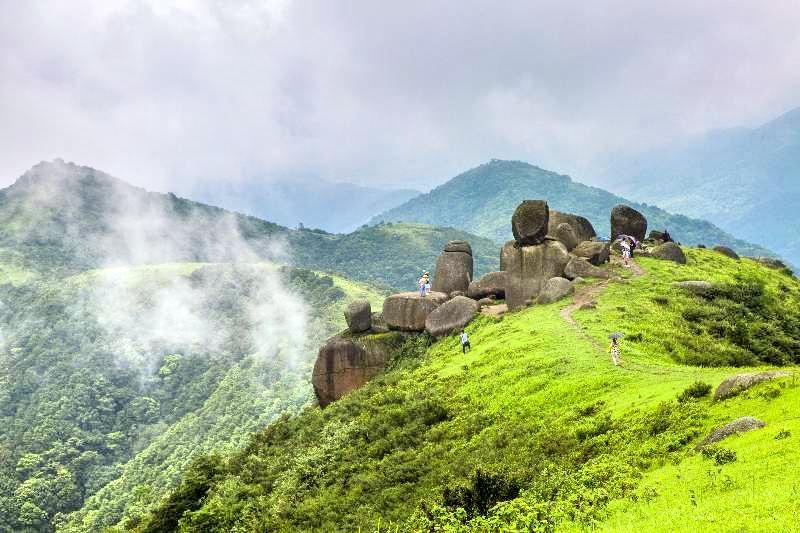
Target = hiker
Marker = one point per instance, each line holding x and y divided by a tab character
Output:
614	350
625	247
465	342
424	284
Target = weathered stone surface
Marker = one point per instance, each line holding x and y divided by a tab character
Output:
378	323
456	293
770	262
726	251
346	363
662	236
596	252
584	230
580	267
451	316
567	235
529	222
529	267
669	251
483	302
695	287
740	425
741	382
555	289
407	311
490	284
626	220
453	268
358	315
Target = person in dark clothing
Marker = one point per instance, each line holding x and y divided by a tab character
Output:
465	342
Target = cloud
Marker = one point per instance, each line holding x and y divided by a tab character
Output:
169	93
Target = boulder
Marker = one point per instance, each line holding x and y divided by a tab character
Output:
626	220
567	235
554	289
741	382
726	251
407	311
529	267
529	222
582	227
451	316
453	268
358	315
596	252
770	262
484	302
456	293
698	288
580	267
491	284
662	236
669	251
378	323
345	364
740	425
701	246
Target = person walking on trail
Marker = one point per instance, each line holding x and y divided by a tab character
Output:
625	247
614	350
465	346
424	284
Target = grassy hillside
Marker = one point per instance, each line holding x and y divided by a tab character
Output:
482	200
536	430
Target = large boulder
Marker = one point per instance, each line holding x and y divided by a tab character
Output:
583	228
529	222
741	382
346	363
408	311
726	251
596	252
453	268
529	267
626	220
358	315
379	324
770	262
451	316
567	235
662	236
580	267
669	251
740	425
490	284
555	289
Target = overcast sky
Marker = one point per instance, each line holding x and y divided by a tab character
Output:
166	93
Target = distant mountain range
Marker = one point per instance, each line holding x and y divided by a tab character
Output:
333	207
745	180
482	200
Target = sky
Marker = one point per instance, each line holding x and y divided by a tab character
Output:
167	94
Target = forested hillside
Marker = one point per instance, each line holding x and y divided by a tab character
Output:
482	200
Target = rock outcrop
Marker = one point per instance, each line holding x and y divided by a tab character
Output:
408	311
740	425
659	236
741	382
490	284
597	252
698	288
529	267
669	251
726	251
358	315
626	220
770	262
567	235
529	223
580	267
345	363
451	316
453	268
584	230
555	289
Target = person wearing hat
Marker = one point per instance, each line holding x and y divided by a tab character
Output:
424	283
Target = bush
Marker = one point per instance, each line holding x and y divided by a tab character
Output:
719	455
484	492
696	390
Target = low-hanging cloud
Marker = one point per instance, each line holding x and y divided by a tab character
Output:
169	93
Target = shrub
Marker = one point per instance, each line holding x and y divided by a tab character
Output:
696	390
483	492
783	434
719	455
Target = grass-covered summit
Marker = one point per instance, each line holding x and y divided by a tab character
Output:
535	430
481	201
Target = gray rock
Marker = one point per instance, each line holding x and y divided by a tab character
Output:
407	311
669	251
529	267
580	267
726	251
567	235
555	289
491	284
529	222
695	287
596	252
662	236
458	246
456	293
770	262
626	220
484	302
378	323
741	382
740	425
453	268
582	227
358	315
451	316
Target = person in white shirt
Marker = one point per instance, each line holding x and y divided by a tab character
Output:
465	342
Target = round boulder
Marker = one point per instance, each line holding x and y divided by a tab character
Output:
662	236
726	251
567	235
554	290
741	382
358	315
626	220
451	316
583	228
407	311
491	284
580	267
740	425
669	251
529	222
596	252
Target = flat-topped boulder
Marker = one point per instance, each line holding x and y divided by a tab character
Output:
407	311
584	231
597	252
451	316
529	223
453	268
490	284
669	251
626	220
529	267
726	251
358	315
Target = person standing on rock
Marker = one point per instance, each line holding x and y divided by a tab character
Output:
424	283
465	342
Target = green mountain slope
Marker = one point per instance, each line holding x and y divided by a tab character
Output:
535	430
482	200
